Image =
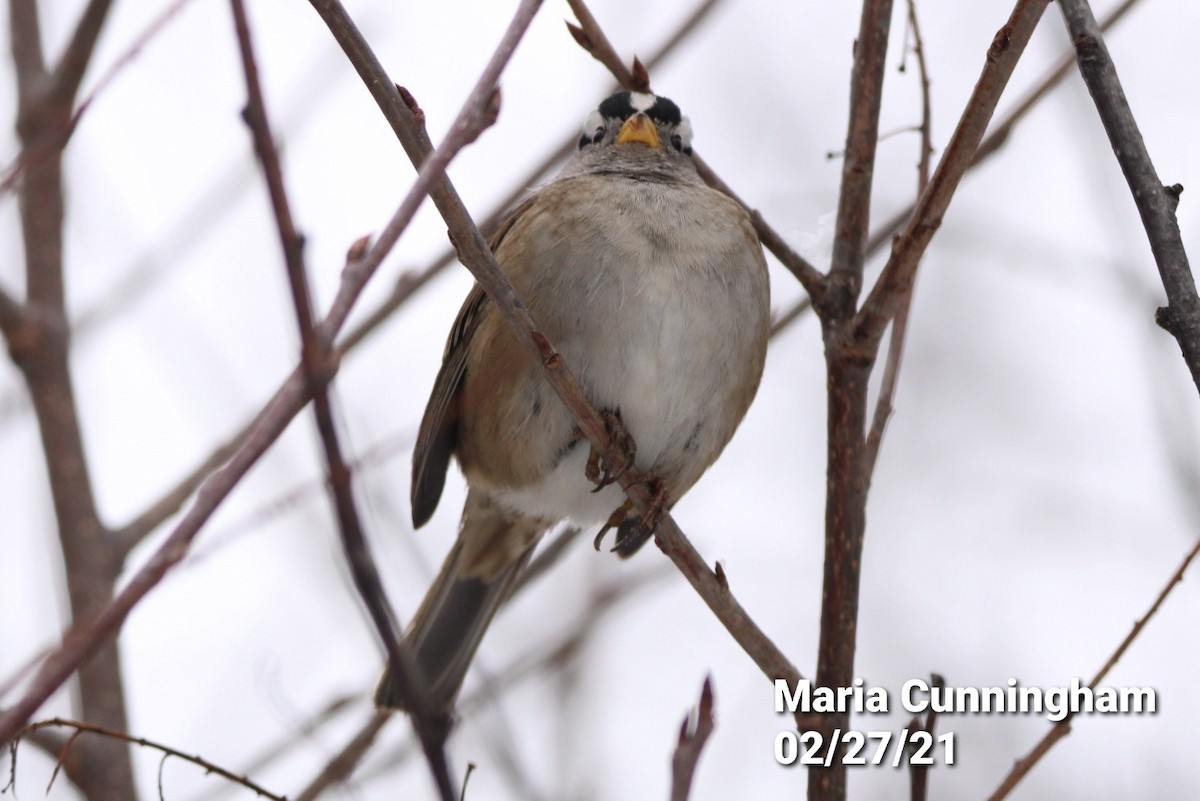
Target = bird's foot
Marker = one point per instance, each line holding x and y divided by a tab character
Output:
634	530
599	471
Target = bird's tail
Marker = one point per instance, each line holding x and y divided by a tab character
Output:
470	587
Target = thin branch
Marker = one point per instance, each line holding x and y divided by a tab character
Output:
918	775
900	271
342	766
995	140
694	732
847	376
405	287
132	533
895	353
68	75
602	602
209	767
1155	203
85	636
784	319
1063	727
40	348
858	166
319	367
591	37
809	276
999	132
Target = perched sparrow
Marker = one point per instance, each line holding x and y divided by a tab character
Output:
654	289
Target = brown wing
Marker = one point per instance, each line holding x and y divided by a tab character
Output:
438	436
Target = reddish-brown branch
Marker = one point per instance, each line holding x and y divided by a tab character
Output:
319	368
997	136
173	499
900	270
39	343
847	374
694	732
474	253
895	352
68	75
591	37
86	636
1063	727
858	166
123	737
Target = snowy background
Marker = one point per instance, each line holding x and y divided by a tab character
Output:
1035	490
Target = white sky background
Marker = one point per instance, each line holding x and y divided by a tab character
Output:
1029	501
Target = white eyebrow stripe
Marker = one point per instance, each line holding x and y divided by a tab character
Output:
641	101
593	121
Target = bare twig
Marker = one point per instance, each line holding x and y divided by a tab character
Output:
407	285
343	764
997	136
601	603
86	635
53	140
1063	727
1155	203
78	54
847	372
319	368
209	767
858	166
591	37
693	734
895	353
900	270
39	344
474	253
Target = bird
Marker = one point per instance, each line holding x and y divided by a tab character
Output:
654	289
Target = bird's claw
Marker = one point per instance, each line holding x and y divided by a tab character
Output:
598	470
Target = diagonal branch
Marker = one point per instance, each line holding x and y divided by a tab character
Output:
87	635
319	366
476	256
996	138
80	727
404	288
895	352
1155	203
1063	727
68	75
900	270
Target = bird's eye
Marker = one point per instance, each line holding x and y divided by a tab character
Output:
597	136
677	142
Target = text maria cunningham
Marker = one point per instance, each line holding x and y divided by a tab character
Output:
918	696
